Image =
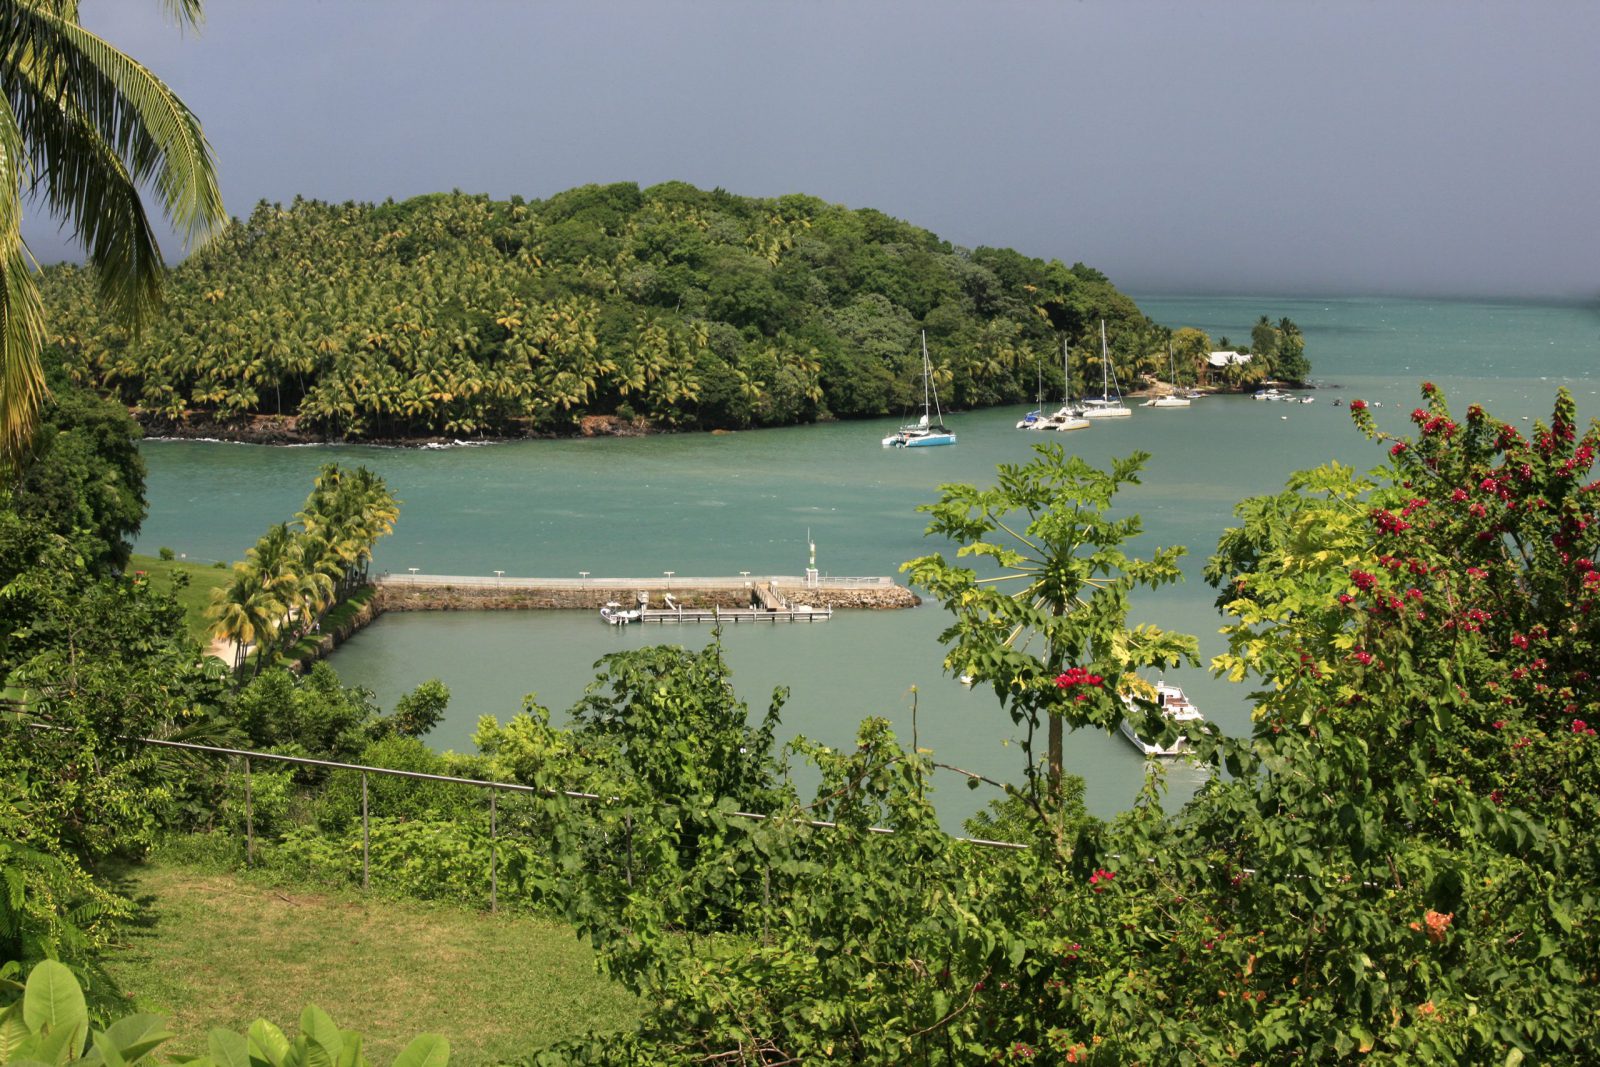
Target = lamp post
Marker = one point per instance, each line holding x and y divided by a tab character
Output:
497	576
584	575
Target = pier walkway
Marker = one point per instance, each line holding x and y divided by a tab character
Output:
753	595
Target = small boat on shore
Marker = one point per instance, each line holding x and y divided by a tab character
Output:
1174	705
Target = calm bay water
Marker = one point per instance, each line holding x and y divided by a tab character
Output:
720	504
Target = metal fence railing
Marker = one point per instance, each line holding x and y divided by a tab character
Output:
494	789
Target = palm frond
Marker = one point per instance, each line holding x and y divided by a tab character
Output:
61	78
22	387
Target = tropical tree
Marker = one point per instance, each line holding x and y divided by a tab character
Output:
245	611
83	126
1045	623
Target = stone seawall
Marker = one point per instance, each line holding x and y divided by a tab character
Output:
335	636
447	597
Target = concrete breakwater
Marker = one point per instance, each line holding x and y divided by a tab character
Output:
443	592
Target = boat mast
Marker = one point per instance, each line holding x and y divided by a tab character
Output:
1105	364
927	375
1066	374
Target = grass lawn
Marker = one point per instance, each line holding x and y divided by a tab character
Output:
196	597
218	950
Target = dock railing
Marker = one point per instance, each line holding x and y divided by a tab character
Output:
600	582
492	788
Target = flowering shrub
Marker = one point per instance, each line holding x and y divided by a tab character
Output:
1428	634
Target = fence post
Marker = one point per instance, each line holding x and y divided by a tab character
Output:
628	832
494	871
249	819
366	834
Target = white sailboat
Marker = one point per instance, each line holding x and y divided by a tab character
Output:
1171	400
1106	407
928	430
1068	416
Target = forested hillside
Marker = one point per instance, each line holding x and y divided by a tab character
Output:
459	315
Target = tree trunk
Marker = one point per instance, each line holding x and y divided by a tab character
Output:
1055	758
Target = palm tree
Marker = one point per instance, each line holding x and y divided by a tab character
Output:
83	126
244	612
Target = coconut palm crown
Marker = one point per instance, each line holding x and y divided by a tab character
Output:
82	128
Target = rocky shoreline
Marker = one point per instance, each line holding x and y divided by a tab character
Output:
285	430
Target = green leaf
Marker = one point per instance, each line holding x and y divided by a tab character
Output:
227	1048
106	1050
268	1043
350	1055
322	1035
53	1002
135	1036
425	1050
1514	1058
13	1032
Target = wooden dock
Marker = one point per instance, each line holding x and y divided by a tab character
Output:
717	616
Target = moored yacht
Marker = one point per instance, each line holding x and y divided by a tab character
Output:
1174	705
1109	405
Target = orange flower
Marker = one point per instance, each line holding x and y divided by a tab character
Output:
1437	924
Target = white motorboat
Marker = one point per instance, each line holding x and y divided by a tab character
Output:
614	614
1173	704
928	430
1110	405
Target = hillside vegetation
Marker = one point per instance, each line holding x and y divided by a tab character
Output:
680	308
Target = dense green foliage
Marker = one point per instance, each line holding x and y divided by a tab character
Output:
454	314
83	478
1400	860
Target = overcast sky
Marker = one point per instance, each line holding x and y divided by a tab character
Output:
1413	148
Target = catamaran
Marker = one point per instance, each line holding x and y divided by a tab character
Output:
1106	407
1170	400
928	430
1068	416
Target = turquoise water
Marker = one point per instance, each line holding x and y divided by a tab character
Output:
719	504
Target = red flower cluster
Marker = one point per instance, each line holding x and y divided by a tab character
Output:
1581	727
1389	522
1357	405
1363	580
1100	879
1075	677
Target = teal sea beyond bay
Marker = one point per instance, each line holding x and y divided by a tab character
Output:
702	504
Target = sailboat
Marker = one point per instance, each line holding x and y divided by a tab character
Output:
928	430
1171	400
1067	416
1106	407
